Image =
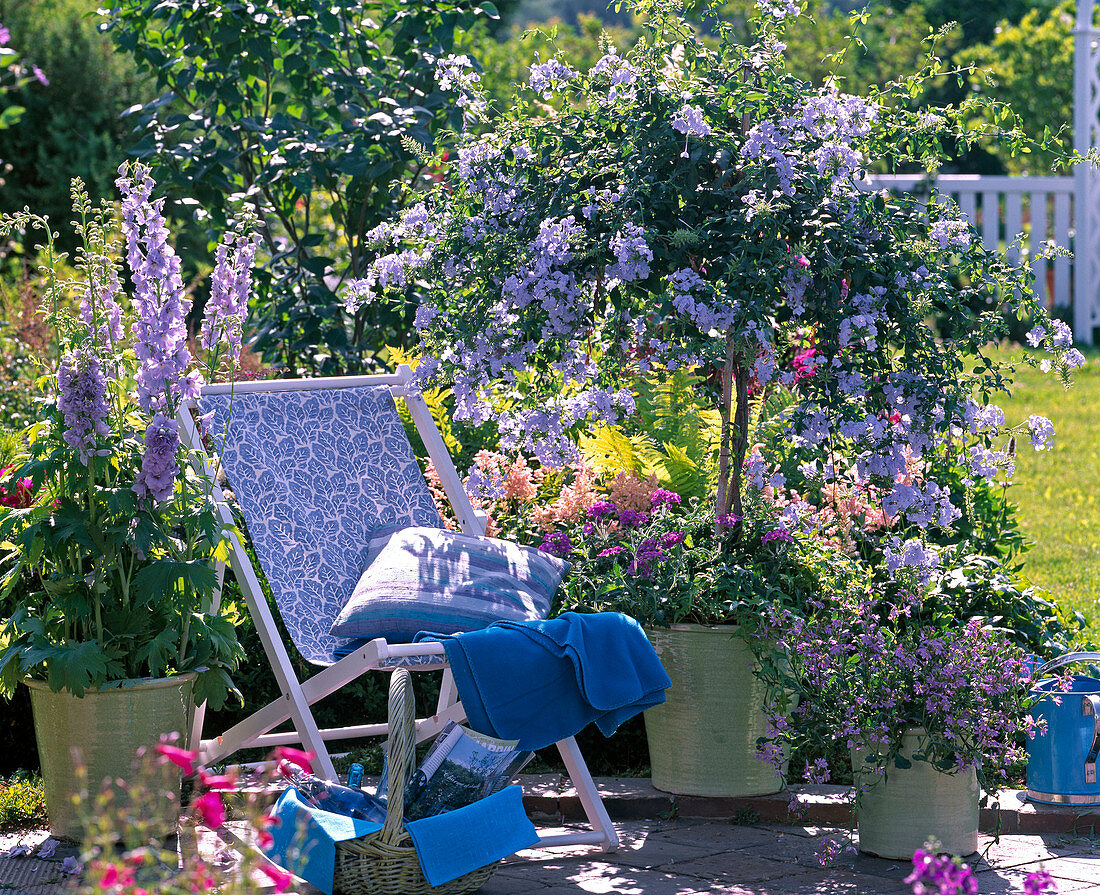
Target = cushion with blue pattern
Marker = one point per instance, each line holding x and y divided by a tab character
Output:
429	579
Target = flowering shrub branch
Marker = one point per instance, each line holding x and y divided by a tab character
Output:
695	206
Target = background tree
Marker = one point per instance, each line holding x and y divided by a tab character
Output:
1030	66
304	108
72	125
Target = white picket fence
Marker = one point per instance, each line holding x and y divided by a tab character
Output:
1017	214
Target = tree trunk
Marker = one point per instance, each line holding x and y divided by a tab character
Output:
734	409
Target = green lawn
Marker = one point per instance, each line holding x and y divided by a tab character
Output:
1058	491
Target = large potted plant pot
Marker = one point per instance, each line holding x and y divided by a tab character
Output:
102	730
898	812
702	739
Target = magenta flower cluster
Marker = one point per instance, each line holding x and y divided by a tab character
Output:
935	874
940	874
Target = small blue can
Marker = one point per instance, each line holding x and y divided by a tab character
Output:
1061	763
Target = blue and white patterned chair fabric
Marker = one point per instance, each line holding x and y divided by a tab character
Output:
314	472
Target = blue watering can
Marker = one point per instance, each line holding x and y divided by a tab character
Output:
1061	763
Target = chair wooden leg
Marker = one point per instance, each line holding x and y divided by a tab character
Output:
603	831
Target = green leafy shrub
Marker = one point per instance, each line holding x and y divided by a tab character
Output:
22	802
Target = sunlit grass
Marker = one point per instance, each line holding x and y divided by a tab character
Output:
1058	491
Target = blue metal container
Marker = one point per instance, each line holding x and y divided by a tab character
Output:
1061	763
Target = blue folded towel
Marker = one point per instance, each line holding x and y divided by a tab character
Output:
455	843
304	839
543	681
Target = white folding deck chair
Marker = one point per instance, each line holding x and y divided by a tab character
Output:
315	465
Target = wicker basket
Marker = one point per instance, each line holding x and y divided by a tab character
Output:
385	862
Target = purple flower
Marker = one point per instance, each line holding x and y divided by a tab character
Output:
159	328
229	287
632	255
671	539
157	478
951	233
690	121
601	509
663	498
1039	882
547	75
727	520
633	518
556	544
613	551
940	875
5	36
778	534
40	76
82	400
98	308
1036	335
1041	431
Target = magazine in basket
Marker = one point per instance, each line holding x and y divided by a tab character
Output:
462	767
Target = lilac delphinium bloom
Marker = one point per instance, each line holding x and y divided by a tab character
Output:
157	478
82	399
229	287
1041	431
98	308
160	304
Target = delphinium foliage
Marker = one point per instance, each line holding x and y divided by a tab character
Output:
693	205
109	567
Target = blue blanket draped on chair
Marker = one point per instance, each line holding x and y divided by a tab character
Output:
542	681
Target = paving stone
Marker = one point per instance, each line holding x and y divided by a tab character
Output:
1012	851
737	867
708	834
1081	868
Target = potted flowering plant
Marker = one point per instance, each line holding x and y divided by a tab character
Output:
692	205
109	568
929	708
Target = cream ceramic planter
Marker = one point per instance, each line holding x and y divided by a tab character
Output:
702	739
898	813
103	729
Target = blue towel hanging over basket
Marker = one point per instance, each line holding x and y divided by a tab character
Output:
1061	763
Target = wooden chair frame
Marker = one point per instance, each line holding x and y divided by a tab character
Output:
297	697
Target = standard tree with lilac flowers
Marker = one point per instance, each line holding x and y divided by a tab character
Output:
110	568
693	205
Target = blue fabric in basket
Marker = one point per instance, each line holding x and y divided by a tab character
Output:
543	681
304	840
455	843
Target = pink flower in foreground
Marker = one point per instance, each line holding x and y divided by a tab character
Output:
211	809
277	875
218	782
304	760
182	758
